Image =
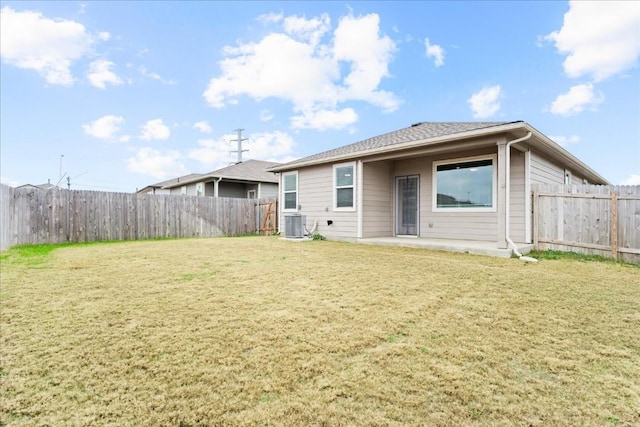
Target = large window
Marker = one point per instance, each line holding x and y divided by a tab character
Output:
290	191
344	184
465	185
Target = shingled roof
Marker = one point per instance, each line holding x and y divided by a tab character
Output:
249	170
415	132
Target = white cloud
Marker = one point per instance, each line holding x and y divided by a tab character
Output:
270	18
357	41
31	41
324	119
434	51
203	126
216	153
156	163
155	76
154	129
100	74
10	182
600	38
485	103
631	180
299	65
266	115
105	127
104	36
310	30
563	141
270	145
575	100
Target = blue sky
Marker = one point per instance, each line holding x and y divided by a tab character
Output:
119	95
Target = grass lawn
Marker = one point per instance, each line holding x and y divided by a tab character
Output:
258	331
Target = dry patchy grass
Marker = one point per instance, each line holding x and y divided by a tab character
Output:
257	331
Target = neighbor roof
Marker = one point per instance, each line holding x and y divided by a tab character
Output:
177	181
250	170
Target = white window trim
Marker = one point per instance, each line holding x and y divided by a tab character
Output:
297	191
494	193
335	187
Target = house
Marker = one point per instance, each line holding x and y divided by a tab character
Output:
462	183
248	179
46	187
159	188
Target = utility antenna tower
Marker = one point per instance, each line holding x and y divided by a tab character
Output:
239	141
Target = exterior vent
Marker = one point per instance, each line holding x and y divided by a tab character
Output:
294	226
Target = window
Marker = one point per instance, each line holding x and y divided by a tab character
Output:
465	185
344	184
251	194
183	189
199	188
290	191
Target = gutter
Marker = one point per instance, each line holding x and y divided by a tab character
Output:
507	220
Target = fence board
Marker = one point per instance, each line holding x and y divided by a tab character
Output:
32	216
591	219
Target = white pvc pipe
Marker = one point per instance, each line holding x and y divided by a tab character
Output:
507	222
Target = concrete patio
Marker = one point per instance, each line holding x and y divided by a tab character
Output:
464	246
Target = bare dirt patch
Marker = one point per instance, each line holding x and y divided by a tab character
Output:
258	331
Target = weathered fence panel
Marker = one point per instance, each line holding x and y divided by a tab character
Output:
33	216
591	219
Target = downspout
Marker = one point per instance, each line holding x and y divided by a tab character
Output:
507	222
215	186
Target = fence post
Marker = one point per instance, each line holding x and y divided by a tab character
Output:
614	224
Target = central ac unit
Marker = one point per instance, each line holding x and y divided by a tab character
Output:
294	226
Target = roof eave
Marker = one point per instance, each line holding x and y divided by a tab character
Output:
590	174
207	178
403	146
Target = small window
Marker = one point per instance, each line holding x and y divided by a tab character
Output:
183	189
344	184
290	191
199	189
465	185
251	194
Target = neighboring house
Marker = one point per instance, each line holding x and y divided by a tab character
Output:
466	181
160	188
47	186
247	180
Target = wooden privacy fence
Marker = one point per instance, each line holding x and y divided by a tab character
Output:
34	216
590	219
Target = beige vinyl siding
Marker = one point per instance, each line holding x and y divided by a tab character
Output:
545	172
517	196
315	197
177	191
377	200
448	225
268	189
